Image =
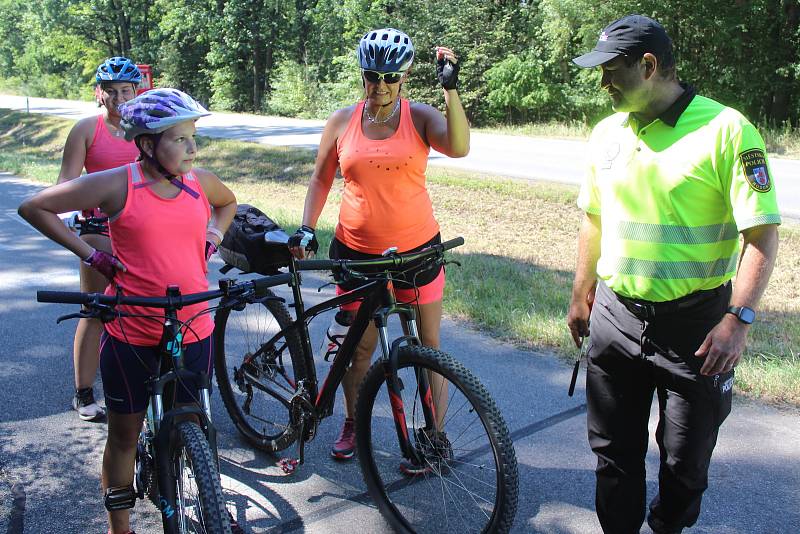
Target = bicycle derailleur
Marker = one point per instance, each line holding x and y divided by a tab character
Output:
304	422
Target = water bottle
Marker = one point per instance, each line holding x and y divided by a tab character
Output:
337	331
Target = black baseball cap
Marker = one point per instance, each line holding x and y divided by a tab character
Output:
631	35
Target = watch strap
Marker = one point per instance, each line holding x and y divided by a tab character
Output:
743	313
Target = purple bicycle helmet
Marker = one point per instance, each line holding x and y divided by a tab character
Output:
385	50
157	110
118	69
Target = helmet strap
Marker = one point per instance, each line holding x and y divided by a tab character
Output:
153	160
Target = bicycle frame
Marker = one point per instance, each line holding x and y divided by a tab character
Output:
162	416
378	303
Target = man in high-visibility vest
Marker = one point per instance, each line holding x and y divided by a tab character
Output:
674	179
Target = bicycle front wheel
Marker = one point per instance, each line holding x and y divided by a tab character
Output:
255	380
200	504
467	480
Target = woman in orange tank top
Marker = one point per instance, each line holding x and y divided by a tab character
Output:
97	144
381	145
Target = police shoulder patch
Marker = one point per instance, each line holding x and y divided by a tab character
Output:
754	166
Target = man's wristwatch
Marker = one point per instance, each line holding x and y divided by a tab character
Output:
743	313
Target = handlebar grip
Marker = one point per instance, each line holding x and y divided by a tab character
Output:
65	297
260	284
316	265
453	243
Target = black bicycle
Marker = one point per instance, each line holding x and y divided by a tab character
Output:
416	404
176	458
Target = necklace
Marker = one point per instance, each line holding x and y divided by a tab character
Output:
387	118
115	131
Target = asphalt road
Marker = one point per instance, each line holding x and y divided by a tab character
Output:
50	461
529	158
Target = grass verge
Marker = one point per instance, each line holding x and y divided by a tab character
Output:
518	261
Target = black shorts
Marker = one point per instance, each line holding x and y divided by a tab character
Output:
125	370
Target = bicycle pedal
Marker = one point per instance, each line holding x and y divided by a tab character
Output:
288	465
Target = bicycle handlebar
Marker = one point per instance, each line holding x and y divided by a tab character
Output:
259	285
392	260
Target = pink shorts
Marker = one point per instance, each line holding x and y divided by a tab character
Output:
430	292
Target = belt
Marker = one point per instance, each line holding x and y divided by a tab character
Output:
644	309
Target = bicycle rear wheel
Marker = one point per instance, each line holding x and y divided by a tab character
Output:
200	504
255	381
468	479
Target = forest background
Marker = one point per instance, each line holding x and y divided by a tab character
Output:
296	57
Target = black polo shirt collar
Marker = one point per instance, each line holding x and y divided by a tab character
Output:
670	115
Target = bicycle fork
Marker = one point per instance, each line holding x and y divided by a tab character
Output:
164	429
395	386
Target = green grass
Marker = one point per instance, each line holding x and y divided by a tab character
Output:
516	266
782	141
562	130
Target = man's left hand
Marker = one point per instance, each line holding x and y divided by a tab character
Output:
723	346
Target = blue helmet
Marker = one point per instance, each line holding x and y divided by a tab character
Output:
118	69
385	50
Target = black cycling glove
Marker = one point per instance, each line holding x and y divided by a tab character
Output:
447	73
306	238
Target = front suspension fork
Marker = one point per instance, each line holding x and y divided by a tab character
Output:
394	385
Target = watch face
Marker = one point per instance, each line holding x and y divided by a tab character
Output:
747	315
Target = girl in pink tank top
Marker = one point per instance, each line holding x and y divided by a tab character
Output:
97	144
381	145
166	219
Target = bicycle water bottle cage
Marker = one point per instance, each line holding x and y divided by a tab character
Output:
120	498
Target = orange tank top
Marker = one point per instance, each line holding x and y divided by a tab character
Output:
161	241
107	151
385	202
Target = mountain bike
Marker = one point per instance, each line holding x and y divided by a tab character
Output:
417	404
176	459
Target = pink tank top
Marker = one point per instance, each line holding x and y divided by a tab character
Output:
161	242
385	202
106	151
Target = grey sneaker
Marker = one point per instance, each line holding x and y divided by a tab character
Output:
83	402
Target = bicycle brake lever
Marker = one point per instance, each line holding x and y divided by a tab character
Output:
323	286
80	315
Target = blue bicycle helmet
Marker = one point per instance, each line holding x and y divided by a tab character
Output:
118	69
385	50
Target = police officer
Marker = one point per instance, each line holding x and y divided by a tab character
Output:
673	179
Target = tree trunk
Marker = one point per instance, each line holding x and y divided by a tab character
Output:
258	72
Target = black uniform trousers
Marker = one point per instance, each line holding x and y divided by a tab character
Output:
636	350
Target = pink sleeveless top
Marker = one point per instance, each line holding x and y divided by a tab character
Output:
385	202
161	242
107	151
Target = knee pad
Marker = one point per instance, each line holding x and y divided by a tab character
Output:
120	498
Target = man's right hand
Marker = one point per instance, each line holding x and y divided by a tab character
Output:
303	242
578	317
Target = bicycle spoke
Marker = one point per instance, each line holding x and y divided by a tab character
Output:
257	378
456	487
